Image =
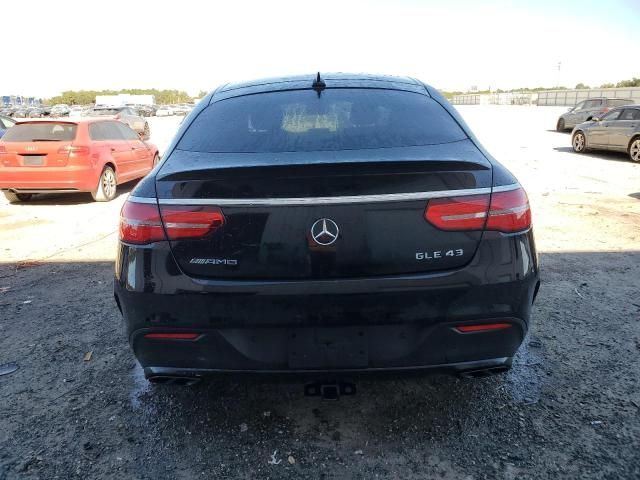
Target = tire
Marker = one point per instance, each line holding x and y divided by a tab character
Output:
634	150
560	125
107	186
18	197
146	133
579	142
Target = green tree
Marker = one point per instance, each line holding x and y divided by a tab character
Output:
83	97
634	82
581	86
607	85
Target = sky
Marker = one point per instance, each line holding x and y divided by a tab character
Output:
194	45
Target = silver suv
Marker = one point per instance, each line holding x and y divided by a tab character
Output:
618	130
587	109
127	115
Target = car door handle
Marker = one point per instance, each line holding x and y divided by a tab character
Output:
113	149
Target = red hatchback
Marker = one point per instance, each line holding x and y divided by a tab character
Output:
89	155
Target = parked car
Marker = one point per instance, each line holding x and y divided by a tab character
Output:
164	111
326	228
91	155
181	110
46	110
5	124
35	112
125	114
618	130
7	111
145	110
587	109
21	112
76	111
60	110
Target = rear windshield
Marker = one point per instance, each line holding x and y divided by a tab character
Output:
41	132
105	111
619	102
338	119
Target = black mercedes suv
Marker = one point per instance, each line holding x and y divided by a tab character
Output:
325	226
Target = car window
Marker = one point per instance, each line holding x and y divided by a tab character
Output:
108	131
97	132
580	105
105	131
114	130
127	132
613	115
104	112
338	119
592	104
41	132
630	114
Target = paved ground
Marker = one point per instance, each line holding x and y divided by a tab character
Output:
570	407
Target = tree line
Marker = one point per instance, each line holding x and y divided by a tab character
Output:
84	97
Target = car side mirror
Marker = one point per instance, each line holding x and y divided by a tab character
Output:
595	119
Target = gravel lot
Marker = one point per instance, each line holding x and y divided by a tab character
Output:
570	407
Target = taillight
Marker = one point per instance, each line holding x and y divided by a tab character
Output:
74	150
191	221
604	110
509	211
458	213
140	223
502	211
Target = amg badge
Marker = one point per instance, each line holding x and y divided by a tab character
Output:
214	261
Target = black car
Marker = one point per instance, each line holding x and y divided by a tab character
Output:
327	227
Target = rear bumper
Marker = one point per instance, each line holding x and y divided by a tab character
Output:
348	325
47	179
478	368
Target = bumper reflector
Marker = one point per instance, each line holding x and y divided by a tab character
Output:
487	327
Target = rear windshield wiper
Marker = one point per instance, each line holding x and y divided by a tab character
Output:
46	140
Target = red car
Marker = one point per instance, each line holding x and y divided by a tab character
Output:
91	155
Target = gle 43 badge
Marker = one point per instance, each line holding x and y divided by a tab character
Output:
435	254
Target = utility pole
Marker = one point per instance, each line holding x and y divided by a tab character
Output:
558	75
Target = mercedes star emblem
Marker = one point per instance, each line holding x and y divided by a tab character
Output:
325	231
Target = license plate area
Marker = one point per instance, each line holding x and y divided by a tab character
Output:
33	160
330	347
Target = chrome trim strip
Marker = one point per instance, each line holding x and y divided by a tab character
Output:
187	225
133	199
506	188
301	201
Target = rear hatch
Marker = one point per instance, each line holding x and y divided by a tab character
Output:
328	185
37	144
377	206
